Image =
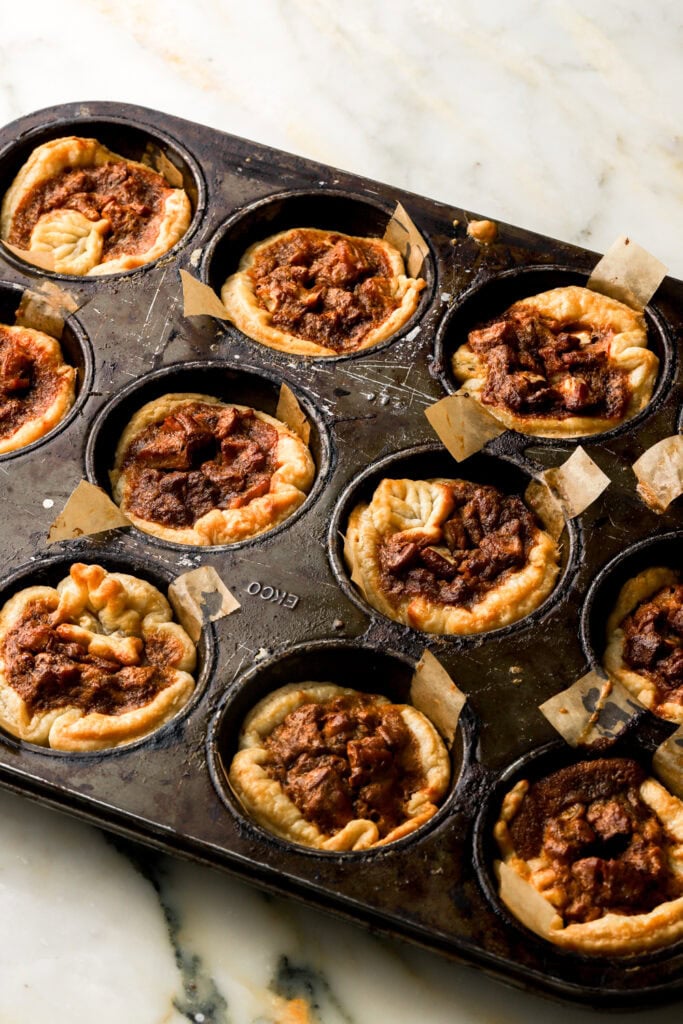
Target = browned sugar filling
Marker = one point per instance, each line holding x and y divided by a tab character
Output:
49	668
132	199
28	387
488	536
331	291
538	367
346	758
201	457
607	847
653	643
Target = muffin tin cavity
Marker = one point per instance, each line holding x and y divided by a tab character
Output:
598	974
241	385
665	550
432	461
363	668
76	351
324	209
125	137
48	572
490	298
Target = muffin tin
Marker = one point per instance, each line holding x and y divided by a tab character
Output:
301	617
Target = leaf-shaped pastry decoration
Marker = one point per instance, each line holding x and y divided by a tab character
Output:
72	240
400	506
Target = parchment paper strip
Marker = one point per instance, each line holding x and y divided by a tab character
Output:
155	158
659	471
290	412
198	597
547	507
592	708
43	260
199	299
463	425
668	762
433	692
88	510
627	272
526	903
45	309
578	482
404	236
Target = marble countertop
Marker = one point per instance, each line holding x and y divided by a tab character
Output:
557	117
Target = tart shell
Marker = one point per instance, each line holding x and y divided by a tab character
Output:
567	306
266	802
289	484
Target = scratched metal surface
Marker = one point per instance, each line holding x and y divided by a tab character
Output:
300	617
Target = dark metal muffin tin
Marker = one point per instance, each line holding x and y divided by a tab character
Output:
300	616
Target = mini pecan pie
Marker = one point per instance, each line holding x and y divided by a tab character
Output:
36	386
564	363
194	470
95	662
91	210
645	641
335	769
320	293
449	556
603	844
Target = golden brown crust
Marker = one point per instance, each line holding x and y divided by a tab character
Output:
267	803
45	353
417	510
107	610
634	592
289	484
245	311
611	934
72	240
627	351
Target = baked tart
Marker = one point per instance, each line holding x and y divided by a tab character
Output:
194	470
334	769
320	293
90	210
564	363
645	641
95	662
603	844
449	556
37	387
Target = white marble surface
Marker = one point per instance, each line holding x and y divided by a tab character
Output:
557	116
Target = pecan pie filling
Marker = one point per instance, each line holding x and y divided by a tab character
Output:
534	365
52	664
488	535
653	643
202	457
28	383
331	290
608	849
130	198
346	758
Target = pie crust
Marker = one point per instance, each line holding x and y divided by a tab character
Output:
266	801
416	511
78	243
110	616
612	933
642	588
578	312
51	389
256	320
289	484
